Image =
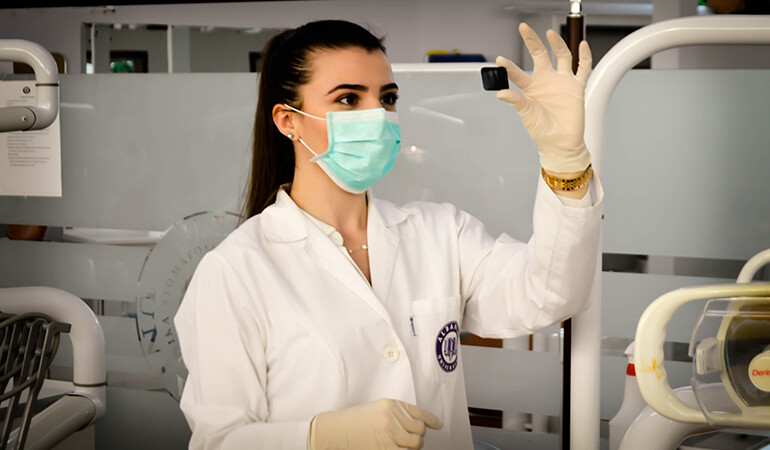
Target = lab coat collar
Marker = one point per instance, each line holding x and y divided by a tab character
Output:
284	221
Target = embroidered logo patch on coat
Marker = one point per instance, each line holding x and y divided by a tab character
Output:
447	346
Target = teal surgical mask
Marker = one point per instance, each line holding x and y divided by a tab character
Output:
362	149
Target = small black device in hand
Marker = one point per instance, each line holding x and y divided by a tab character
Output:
494	78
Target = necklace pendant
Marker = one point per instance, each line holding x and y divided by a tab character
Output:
363	247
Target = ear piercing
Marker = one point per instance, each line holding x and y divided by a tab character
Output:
290	135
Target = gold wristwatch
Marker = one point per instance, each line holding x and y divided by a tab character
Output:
563	184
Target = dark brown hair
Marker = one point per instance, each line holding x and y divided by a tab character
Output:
285	62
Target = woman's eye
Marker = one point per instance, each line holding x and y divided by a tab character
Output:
390	99
348	99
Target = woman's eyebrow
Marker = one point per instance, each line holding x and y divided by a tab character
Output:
388	87
362	88
354	87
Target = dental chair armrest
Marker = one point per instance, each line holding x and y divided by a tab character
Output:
57	422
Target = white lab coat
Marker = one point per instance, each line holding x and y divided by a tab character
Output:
277	324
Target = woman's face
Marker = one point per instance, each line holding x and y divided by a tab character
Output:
343	80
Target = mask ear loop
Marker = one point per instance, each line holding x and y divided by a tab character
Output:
308	115
309	149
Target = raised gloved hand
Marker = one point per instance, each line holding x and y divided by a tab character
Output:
552	107
382	424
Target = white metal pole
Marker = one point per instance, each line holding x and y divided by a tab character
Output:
93	47
170	48
586	331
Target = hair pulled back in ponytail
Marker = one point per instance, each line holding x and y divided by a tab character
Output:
285	68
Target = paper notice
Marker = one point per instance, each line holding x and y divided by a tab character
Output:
30	161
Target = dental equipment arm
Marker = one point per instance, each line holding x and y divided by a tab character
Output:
86	401
575	36
648	352
25	118
651	333
575	30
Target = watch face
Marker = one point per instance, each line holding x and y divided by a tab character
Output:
163	281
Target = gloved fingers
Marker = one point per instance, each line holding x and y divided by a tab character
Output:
405	431
412	425
560	49
407	422
542	62
408	440
428	418
584	62
520	103
515	74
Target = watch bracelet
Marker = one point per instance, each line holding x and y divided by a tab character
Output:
563	184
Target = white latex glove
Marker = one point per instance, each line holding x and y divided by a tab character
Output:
382	424
552	107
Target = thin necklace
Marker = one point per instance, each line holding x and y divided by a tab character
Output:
363	247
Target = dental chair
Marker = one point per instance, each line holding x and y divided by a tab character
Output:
32	320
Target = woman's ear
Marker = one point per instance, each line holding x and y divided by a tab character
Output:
283	118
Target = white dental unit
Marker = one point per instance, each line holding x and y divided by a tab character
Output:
587	329
34	316
729	348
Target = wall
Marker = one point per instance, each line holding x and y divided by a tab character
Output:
693	57
152	40
223	50
702	56
411	27
599	45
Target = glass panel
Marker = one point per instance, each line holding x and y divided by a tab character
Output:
627	295
162	284
103	272
158	48
488	374
686	157
462	145
142	151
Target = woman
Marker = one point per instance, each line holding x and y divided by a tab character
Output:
330	319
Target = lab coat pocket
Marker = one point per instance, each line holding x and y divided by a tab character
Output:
436	330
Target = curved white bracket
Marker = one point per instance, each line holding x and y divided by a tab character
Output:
89	355
648	351
753	265
24	118
652	39
586	327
